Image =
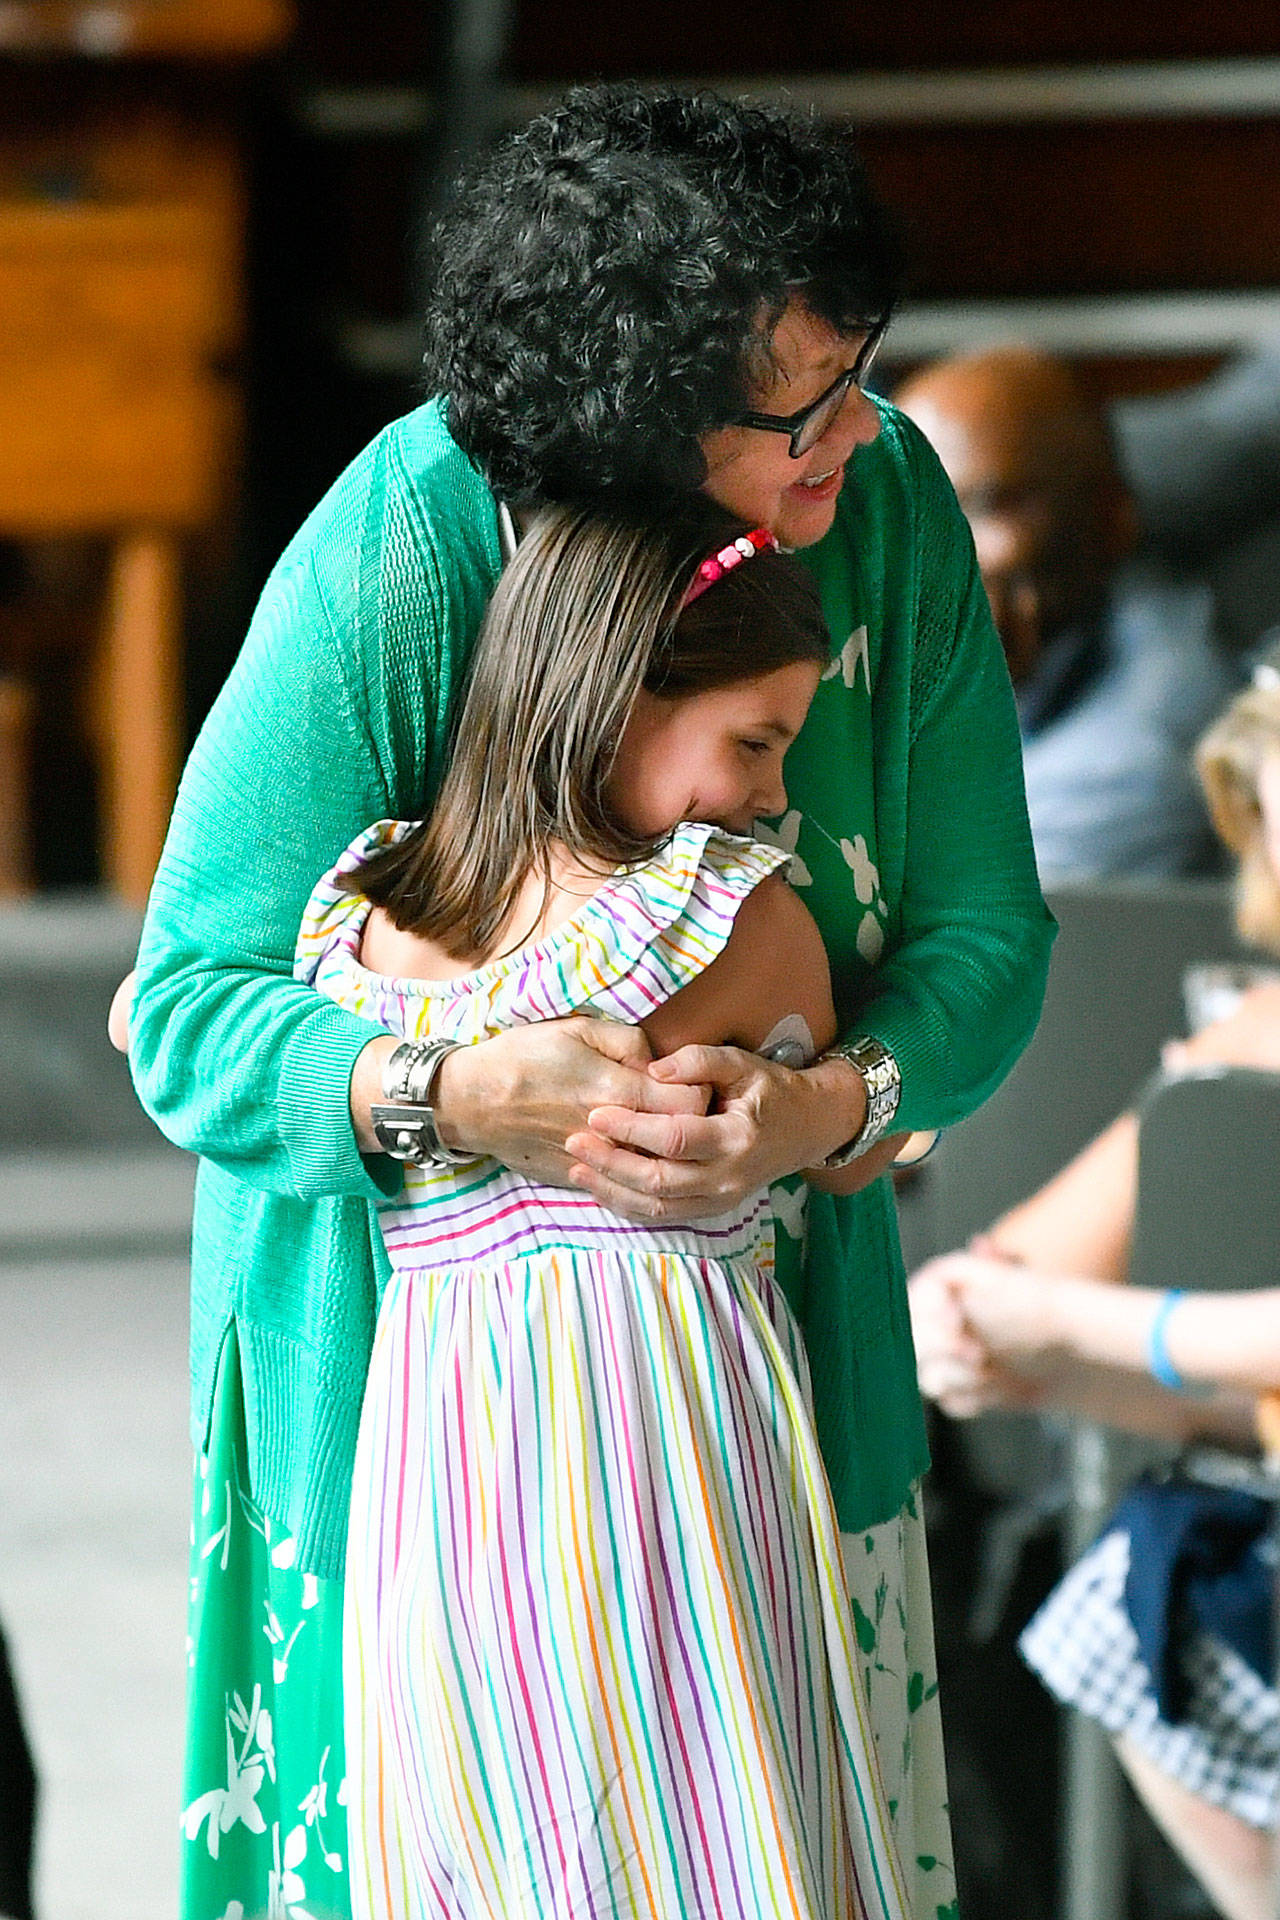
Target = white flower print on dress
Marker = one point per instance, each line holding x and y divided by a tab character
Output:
285	1885
866	874
853	654
314	1808
870	938
271	1835
284	1552
786	837
866	884
282	1647
220	1540
788	1205
222	1807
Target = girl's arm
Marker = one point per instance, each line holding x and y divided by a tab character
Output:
773	965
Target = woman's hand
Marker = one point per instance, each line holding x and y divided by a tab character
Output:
119	1012
766	1121
520	1095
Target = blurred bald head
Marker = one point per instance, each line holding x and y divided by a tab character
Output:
1030	457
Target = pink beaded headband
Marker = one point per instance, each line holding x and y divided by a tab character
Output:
716	565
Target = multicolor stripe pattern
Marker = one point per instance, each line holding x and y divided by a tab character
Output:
636	942
598	1650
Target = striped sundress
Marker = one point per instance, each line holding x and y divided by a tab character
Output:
599	1646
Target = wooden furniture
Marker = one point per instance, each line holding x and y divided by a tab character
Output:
120	319
144	28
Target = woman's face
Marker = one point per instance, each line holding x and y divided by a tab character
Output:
750	471
1269	805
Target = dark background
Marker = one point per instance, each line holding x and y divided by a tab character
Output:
339	139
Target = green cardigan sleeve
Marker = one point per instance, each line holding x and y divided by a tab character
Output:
958	993
327	721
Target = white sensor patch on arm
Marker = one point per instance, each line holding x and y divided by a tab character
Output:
789	1043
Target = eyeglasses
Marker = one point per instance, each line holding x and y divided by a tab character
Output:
807	426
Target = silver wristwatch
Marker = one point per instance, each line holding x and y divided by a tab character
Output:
403	1120
883	1082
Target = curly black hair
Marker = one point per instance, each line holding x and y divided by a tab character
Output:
598	284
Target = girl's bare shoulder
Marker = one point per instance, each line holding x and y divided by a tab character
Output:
773	964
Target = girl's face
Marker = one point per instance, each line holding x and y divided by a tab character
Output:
751	471
713	756
1269	804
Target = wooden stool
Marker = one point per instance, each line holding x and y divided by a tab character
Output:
115	318
121	223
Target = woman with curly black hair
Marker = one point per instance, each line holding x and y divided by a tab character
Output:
640	292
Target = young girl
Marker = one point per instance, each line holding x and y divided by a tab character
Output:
600	1650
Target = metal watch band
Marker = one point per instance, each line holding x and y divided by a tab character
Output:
404	1122
883	1082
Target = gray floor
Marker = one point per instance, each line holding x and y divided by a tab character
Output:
94	1476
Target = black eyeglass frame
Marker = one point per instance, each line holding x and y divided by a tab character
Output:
794	424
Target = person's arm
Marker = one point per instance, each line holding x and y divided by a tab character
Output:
231	1056
1249	1037
1027	1317
989	1334
1081	1221
330	720
958	993
773	964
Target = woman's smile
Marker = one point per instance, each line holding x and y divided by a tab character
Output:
752	472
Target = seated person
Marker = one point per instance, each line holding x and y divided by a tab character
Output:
1031	1317
1113	667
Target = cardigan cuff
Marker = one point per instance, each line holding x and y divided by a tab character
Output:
314	1111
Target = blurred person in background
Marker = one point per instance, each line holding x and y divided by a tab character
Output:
1032	1317
1113	666
17	1801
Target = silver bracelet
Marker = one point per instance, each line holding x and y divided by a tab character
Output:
404	1121
883	1082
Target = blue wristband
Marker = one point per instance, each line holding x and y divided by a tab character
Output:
1159	1364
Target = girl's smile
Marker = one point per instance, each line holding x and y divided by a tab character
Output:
714	756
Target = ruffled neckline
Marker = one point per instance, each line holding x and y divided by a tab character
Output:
622	918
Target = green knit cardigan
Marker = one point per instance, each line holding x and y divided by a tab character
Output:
337	714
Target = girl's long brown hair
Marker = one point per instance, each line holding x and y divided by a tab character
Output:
587	613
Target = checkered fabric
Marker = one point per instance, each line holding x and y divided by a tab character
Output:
1082	1645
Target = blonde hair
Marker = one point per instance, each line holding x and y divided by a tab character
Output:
1229	761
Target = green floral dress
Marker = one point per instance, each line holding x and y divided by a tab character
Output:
264	1824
